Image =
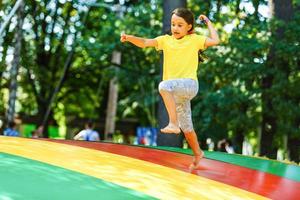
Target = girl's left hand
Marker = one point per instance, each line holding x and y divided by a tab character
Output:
204	18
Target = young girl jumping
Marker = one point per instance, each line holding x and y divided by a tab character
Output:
180	83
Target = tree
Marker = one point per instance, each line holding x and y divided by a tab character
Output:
15	64
226	106
293	138
275	68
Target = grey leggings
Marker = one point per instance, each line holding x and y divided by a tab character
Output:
183	90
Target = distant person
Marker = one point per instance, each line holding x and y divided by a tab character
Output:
225	145
38	132
88	134
229	147
210	144
1	123
247	148
11	130
34	134
222	145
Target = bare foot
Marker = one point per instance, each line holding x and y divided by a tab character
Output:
171	128
196	161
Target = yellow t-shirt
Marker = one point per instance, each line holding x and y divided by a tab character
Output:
180	55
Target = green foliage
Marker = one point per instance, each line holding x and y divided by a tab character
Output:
229	103
49	37
229	81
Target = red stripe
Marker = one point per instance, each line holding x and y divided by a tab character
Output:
265	184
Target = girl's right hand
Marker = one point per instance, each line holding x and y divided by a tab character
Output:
123	37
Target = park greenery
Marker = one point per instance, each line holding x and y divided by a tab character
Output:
249	84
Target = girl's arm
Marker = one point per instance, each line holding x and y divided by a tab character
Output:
137	41
214	38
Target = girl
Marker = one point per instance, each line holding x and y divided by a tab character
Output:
180	83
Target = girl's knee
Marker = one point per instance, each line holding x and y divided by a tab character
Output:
162	90
164	87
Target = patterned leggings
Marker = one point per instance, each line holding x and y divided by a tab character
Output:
184	90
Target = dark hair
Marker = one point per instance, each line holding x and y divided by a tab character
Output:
90	123
189	17
11	124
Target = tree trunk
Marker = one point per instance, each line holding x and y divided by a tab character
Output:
255	4
16	7
294	149
112	102
293	139
268	127
15	64
281	10
163	119
48	114
237	7
238	141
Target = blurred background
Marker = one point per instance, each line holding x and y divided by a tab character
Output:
62	64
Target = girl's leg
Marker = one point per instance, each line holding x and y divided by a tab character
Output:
192	140
169	102
184	113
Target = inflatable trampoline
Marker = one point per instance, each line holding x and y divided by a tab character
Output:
65	169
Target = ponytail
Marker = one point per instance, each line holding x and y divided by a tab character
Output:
201	56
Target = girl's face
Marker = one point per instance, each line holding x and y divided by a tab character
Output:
179	27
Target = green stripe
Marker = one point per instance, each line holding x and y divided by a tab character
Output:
22	178
288	171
